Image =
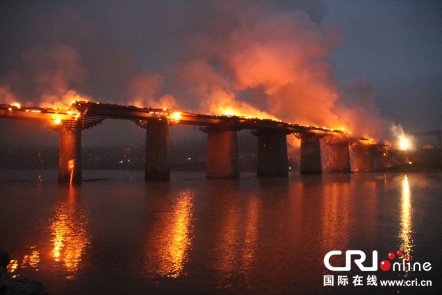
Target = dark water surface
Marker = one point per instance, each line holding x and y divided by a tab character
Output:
198	236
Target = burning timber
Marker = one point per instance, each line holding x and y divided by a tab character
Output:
322	149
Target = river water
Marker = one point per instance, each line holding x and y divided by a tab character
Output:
116	234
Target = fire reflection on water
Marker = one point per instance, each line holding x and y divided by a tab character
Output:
406	229
251	233
30	260
69	234
236	244
170	240
229	237
336	215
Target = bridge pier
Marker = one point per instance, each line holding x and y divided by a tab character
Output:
310	154
272	154
335	154
381	157
157	149
69	164
222	152
361	158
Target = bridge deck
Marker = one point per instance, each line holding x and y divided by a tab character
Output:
96	112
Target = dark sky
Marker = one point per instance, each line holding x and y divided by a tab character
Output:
397	45
102	48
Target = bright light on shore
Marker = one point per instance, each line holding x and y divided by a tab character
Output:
404	143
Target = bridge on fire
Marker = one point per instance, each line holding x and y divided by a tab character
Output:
322	149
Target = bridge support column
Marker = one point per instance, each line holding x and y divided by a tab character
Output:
157	149
69	165
222	153
310	154
381	157
361	158
272	154
335	154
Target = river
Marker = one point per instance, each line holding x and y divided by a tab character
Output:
116	234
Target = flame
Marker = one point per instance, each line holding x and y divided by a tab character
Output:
175	116
229	112
63	102
404	143
57	120
71	168
244	111
16	104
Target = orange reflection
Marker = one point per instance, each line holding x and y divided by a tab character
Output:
335	216
71	169
251	232
370	203
236	244
170	240
405	233
12	267
69	234
30	260
228	237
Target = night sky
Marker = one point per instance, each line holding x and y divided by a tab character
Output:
382	58
396	45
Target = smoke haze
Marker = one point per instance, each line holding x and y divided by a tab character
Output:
251	58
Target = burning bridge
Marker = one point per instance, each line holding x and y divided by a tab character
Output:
322	149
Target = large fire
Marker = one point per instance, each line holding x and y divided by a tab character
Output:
242	110
404	143
59	109
175	117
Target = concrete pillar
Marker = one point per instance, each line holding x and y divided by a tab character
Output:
382	159
310	154
157	150
361	158
69	165
335	154
222	153
272	154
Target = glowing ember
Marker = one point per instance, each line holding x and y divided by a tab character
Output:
57	120
16	104
228	112
175	116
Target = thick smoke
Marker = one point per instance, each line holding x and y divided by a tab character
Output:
250	58
144	90
55	72
6	95
357	109
281	56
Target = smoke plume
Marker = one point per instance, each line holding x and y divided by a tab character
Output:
249	58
